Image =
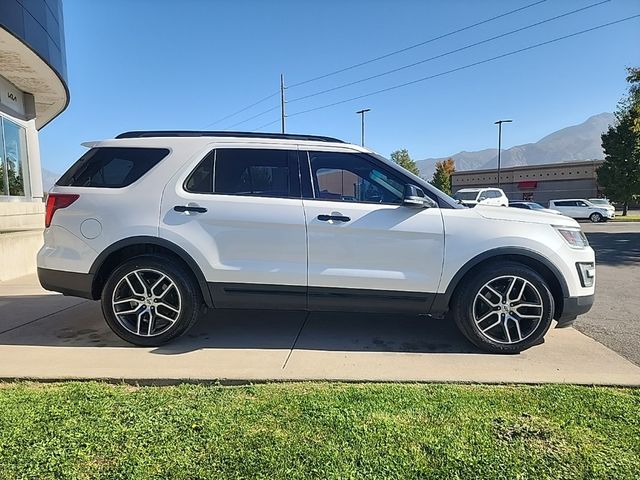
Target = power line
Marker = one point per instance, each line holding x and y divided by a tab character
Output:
366	62
439	37
487	60
243	109
466	47
267	124
255	116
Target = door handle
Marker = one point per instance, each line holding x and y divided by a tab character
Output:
189	208
336	218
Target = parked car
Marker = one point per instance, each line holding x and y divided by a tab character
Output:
160	225
582	209
533	206
603	202
470	197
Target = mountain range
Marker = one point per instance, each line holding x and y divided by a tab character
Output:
577	142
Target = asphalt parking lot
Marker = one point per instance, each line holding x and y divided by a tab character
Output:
614	319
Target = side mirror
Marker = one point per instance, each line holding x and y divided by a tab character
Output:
414	197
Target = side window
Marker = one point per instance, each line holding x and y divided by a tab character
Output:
581	204
201	179
350	177
257	172
496	193
111	167
564	204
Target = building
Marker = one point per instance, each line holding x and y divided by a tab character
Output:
33	91
537	183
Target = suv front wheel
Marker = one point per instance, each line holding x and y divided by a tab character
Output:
595	217
505	307
150	300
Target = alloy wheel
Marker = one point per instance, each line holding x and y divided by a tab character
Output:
508	309
146	302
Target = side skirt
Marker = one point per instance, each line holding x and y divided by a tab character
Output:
289	297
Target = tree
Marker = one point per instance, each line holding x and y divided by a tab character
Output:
633	100
442	175
620	173
402	158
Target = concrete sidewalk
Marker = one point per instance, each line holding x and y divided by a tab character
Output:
47	336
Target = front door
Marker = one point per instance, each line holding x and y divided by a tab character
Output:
366	251
239	214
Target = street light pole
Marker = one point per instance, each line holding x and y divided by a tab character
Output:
499	123
361	113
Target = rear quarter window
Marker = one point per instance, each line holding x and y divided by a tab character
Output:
111	167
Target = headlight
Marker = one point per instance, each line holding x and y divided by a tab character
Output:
573	236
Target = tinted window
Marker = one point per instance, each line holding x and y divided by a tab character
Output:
465	195
581	204
269	173
111	167
519	205
564	204
353	178
201	179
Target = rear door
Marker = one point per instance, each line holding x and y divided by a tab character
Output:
238	212
367	252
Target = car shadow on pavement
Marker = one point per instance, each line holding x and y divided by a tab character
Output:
615	248
82	325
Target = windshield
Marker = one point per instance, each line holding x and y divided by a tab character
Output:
536	206
465	195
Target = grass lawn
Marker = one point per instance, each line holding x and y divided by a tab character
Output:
628	218
318	430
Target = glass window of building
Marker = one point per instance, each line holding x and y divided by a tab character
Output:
13	159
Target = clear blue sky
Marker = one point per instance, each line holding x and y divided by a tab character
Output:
154	64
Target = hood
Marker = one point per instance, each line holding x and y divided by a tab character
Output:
525	216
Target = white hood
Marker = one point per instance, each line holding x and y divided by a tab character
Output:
521	215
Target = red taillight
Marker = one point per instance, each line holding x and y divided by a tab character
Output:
56	201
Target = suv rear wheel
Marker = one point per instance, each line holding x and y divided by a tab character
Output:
504	308
150	300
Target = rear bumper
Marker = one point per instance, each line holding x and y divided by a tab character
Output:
68	283
574	306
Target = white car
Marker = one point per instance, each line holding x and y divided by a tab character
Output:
159	225
582	209
603	202
470	197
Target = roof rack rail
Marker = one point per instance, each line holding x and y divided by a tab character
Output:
204	133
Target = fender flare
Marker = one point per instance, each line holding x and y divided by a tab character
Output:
161	242
441	301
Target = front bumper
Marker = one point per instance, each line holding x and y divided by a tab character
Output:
572	307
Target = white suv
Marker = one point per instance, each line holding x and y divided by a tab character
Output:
159	225
583	209
470	197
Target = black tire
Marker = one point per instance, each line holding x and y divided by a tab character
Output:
185	290
595	217
464	308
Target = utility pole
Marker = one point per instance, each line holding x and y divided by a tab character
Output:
282	102
361	113
499	123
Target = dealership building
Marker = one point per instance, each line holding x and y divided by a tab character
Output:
537	183
33	91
